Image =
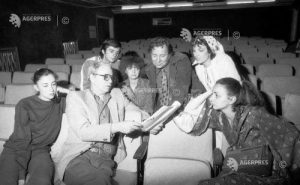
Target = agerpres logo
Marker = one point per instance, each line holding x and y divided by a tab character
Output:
234	165
16	20
207	32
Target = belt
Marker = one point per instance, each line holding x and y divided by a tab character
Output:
104	149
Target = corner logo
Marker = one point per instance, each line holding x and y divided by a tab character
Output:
15	20
232	164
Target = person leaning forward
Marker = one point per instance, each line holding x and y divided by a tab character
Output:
94	143
169	72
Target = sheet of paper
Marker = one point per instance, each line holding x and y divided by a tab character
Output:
160	116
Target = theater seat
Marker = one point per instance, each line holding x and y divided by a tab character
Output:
14	93
59	68
54	61
34	67
265	70
5	78
72	61
76	68
2	93
291	108
75	79
74	56
281	85
176	158
22	77
7	113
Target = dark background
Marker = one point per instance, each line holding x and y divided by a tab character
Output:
39	40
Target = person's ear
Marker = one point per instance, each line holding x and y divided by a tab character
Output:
36	87
102	51
232	100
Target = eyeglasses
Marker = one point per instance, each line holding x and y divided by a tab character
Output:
106	77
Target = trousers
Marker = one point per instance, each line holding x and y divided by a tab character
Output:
40	168
90	168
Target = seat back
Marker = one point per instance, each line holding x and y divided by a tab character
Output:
62	76
34	67
76	68
175	157
265	70
5	78
22	77
2	94
75	79
74	56
59	68
7	113
72	61
291	107
54	61
14	93
281	85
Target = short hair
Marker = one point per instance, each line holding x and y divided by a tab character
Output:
160	42
199	40
43	72
94	66
246	94
129	61
107	43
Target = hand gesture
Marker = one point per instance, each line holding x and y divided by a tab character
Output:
186	35
194	103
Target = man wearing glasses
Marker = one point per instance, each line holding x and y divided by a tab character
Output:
95	137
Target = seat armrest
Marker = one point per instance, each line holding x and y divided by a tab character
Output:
141	151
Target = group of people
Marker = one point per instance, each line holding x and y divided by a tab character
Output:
111	85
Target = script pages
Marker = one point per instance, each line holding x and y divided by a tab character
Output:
160	116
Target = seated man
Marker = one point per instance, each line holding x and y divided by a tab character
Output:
95	138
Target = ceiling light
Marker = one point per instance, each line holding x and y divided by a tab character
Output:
265	1
130	7
179	4
146	6
229	2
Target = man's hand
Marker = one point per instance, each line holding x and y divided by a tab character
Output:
126	127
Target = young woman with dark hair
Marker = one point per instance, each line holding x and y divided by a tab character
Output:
238	111
37	125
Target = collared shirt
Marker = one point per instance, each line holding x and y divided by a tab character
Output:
108	148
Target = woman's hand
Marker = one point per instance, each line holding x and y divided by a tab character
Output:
194	103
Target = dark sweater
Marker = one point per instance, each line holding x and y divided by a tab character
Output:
37	125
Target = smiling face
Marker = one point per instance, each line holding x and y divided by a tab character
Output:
101	79
132	72
111	54
220	99
46	86
201	54
160	56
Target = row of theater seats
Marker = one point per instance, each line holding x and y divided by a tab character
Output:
19	85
